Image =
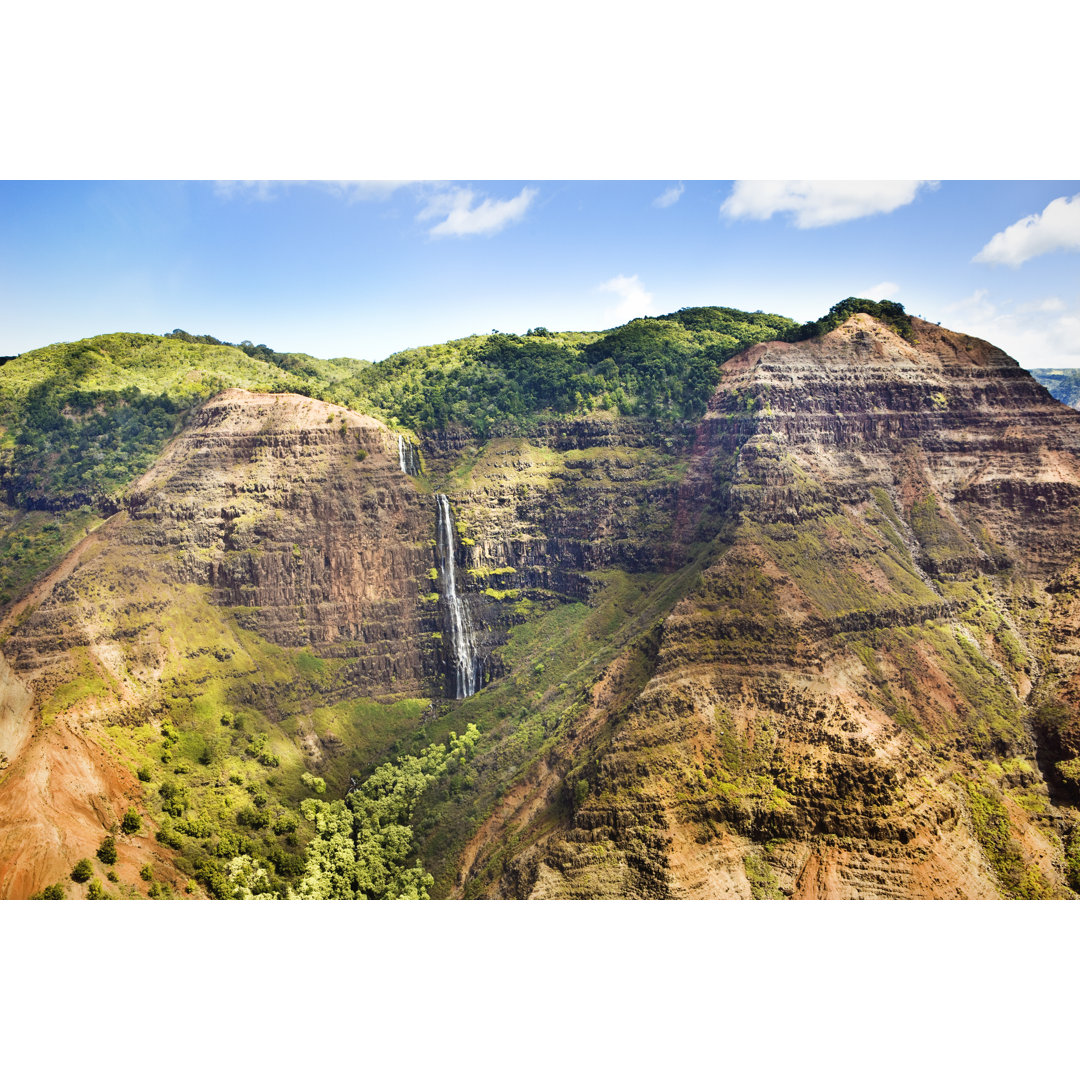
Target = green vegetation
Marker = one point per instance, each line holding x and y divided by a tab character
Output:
50	892
991	820
107	852
131	822
80	420
95	890
889	312
662	367
32	541
82	871
362	844
763	883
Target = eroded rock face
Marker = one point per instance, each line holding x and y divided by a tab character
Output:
587	495
275	515
295	515
899	528
884	547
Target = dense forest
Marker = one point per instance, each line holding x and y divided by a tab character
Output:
80	420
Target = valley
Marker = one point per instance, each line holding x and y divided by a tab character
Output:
708	606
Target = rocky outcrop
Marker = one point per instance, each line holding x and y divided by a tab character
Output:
295	516
272	522
845	608
867	642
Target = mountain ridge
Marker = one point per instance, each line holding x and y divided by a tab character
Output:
813	643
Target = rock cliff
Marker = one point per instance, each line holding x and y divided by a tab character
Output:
819	644
834	704
274	526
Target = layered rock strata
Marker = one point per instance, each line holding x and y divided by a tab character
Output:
893	522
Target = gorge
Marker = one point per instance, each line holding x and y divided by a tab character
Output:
709	605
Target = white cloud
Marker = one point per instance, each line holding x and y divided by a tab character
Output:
1041	334
883	290
1051	303
260	190
634	299
1056	228
813	203
267	190
670	197
461	218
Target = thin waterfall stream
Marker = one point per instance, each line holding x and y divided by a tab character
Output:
407	457
461	646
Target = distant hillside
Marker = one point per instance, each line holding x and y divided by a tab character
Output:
1063	383
77	420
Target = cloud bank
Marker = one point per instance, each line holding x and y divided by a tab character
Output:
1043	333
634	299
814	203
461	218
1057	228
883	290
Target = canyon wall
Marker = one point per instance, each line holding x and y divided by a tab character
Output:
819	644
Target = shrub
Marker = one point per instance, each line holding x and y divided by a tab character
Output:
132	823
146	872
194	827
253	817
107	852
316	783
111	875
95	890
50	892
82	871
168	838
143	773
174	798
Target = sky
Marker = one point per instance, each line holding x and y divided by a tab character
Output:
366	269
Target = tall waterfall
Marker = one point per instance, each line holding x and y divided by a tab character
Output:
407	457
465	664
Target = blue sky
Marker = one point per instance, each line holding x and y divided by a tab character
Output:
354	269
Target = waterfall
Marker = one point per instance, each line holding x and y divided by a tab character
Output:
407	457
465	664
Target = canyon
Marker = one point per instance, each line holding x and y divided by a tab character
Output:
818	642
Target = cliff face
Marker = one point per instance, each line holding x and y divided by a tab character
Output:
834	707
274	526
820	644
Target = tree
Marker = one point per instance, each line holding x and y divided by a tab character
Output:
363	843
82	871
107	852
132	823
